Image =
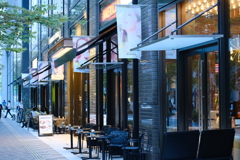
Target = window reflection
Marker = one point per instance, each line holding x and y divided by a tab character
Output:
79	10
130	95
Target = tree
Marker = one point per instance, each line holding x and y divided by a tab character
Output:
16	22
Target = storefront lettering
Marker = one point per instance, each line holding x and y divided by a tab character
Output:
109	11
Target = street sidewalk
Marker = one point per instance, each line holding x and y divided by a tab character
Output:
28	145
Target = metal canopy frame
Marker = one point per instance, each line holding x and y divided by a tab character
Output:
174	42
179	41
102	65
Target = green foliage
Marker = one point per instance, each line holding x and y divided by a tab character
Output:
16	22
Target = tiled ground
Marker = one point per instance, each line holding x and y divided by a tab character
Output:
18	143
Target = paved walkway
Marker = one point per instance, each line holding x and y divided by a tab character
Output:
18	143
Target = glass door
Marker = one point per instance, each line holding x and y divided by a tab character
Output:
202	89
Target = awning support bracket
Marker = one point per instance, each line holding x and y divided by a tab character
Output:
156	33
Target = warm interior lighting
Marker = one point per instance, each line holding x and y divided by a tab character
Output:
235	49
61	52
197	6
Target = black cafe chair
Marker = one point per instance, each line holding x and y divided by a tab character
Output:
135	151
216	144
182	145
116	142
111	129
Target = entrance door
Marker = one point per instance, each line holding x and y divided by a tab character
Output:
201	88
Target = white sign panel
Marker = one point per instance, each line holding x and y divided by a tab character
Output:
128	30
82	58
45	124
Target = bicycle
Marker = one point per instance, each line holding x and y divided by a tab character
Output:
19	115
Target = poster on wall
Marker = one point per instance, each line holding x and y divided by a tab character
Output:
82	58
128	30
45	125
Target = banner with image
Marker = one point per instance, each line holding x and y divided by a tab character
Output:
34	78
82	58
42	65
57	73
128	30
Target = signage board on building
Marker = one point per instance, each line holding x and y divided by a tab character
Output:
108	11
45	125
128	30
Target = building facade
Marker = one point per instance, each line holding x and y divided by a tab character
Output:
186	84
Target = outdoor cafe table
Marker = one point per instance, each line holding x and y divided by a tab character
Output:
103	138
90	138
71	139
80	133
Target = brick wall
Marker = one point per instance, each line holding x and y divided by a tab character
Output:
93	31
148	81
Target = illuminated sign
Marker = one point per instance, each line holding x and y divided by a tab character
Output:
108	11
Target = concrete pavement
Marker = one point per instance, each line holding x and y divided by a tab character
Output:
18	143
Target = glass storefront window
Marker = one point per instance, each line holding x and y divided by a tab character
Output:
168	16
79	10
203	25
34	41
80	28
59	5
234	49
34	52
72	2
130	95
45	55
213	89
171	76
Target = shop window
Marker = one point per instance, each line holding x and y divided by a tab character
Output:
167	17
234	71
207	24
80	28
79	10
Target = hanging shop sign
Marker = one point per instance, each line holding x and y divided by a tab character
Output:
57	73
83	57
42	72
34	78
26	84
45	125
128	30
